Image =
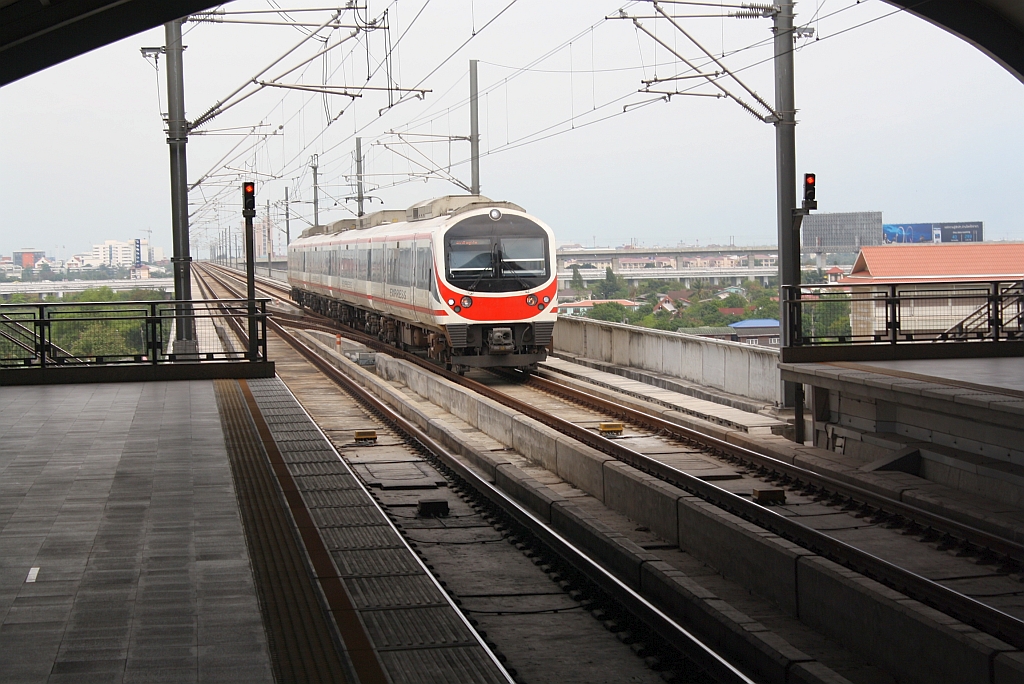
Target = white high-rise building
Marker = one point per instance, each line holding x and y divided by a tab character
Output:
124	254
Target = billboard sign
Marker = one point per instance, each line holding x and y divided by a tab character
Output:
907	233
962	232
913	233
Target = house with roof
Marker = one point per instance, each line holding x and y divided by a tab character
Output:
763	331
665	303
941	287
834	274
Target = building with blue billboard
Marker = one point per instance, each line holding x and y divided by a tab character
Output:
910	233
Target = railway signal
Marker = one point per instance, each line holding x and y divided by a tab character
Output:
248	198
809	187
249	212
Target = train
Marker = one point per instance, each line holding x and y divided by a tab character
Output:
464	280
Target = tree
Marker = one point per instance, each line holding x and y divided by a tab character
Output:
701	289
732	301
812	277
609	311
577	279
611	287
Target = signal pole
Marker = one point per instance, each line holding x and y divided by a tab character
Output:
287	227
249	212
270	245
788	220
359	177
474	128
316	195
177	138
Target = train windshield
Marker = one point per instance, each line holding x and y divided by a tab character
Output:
506	255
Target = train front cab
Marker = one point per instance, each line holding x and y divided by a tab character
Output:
500	263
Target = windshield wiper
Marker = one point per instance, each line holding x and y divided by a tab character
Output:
472	287
515	274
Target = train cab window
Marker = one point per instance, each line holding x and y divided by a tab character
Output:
506	255
524	256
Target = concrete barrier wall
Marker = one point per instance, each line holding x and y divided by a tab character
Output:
916	643
745	370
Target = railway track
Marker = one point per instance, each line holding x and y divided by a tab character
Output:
903	519
666	650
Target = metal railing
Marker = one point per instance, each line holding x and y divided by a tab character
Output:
904	315
124	333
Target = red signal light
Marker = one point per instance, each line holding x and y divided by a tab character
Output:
809	187
248	196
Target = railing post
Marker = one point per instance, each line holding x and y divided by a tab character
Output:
892	313
42	336
153	333
263	330
995	309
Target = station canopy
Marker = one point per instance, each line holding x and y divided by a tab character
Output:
36	34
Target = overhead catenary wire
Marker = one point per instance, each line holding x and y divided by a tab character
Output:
547	131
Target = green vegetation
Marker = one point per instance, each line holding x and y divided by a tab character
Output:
705	310
81	328
577	282
828	316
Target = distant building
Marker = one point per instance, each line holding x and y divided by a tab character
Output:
834	274
665	303
961	268
840	233
763	331
127	254
27	258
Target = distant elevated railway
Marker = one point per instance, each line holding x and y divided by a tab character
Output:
59	287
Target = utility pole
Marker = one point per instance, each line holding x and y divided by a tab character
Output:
474	128
270	244
287	227
359	177
316	193
177	137
788	219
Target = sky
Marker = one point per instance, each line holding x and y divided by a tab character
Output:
895	115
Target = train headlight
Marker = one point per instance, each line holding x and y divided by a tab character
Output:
547	299
457	309
540	306
466	302
495	214
531	300
451	302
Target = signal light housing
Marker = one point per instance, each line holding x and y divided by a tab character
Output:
810	183
249	197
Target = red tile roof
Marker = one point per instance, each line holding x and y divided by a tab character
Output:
938	262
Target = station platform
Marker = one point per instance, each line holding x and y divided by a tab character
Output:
956	422
204	531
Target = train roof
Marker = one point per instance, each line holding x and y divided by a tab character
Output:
449	205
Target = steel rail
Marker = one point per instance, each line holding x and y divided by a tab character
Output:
960	606
825	483
796	473
664	626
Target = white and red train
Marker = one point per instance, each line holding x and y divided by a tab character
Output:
469	281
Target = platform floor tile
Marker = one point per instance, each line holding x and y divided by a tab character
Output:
121	551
